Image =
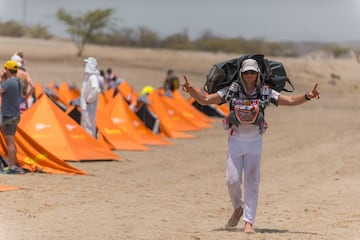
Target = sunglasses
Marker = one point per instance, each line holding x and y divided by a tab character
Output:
250	72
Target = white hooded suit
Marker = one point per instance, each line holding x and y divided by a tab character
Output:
89	96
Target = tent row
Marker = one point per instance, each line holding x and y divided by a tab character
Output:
49	135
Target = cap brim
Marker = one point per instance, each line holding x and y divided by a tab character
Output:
249	68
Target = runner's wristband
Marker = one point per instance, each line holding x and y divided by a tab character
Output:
306	97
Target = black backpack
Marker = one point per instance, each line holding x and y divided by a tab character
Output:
224	73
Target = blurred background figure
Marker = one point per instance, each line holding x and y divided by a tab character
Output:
171	82
29	84
140	107
102	80
89	95
110	78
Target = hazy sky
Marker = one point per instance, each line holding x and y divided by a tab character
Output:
295	20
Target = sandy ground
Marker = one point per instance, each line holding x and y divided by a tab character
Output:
310	183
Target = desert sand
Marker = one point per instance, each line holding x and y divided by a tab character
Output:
310	182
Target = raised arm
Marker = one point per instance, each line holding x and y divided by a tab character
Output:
299	99
202	99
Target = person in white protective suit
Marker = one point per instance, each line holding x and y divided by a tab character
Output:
89	95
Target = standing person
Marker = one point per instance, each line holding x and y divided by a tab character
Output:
245	137
111	78
29	84
102	80
20	59
171	82
89	95
11	93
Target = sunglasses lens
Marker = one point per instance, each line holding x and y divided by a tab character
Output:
250	72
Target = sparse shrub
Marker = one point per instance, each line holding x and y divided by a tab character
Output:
11	29
38	32
337	51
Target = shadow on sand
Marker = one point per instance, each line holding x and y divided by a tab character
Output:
263	230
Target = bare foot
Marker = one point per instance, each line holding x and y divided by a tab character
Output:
235	217
249	229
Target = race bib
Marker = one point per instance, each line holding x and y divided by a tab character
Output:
247	110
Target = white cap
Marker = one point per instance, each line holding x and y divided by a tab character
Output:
250	65
17	59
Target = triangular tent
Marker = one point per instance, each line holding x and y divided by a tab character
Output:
190	111
108	95
60	134
35	158
172	123
109	135
185	120
38	90
149	118
120	114
120	139
128	92
65	94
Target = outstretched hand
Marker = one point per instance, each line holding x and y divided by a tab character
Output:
186	86
314	93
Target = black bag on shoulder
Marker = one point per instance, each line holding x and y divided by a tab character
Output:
224	73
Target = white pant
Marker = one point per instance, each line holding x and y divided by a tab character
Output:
88	116
244	156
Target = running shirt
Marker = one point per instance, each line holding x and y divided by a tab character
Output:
248	131
11	97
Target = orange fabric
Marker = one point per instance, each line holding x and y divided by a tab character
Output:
120	114
105	142
4	188
172	123
38	90
35	158
108	95
101	101
128	92
74	92
190	111
65	95
115	136
174	110
57	97
60	134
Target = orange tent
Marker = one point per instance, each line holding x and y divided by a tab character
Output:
35	158
128	92
66	94
184	109
189	111
172	122
102	101
125	119
60	134
114	135
109	135
107	95
74	92
4	188
38	90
